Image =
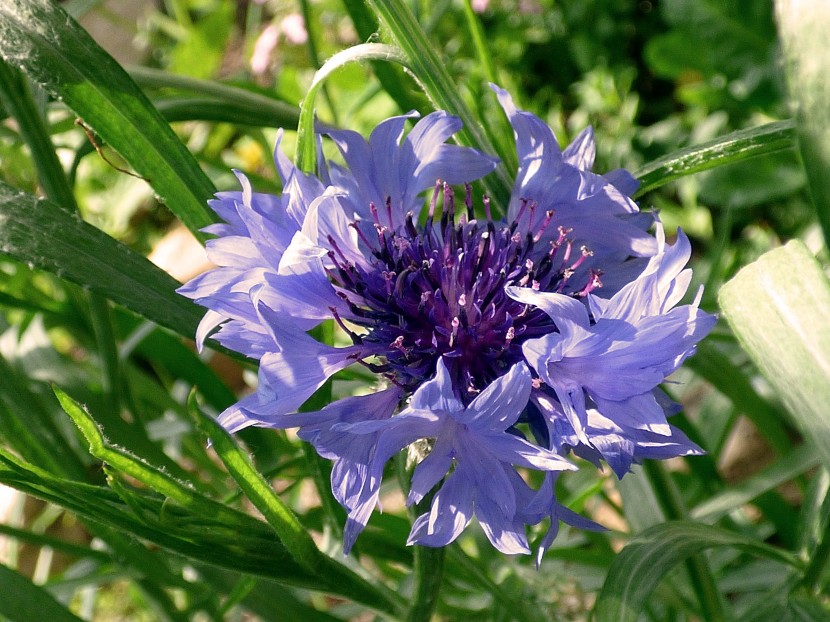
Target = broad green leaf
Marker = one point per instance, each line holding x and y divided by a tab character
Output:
38	233
23	601
38	37
803	26
778	308
651	555
734	147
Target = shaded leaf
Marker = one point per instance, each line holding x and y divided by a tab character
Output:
651	555
38	233
23	601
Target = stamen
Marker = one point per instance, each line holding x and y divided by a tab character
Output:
593	283
334	246
545	223
455	324
585	254
356	339
449	208
356	226
468	201
410	226
522	209
486	201
389	277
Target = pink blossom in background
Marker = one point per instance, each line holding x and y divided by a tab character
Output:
263	49
479	6
293	27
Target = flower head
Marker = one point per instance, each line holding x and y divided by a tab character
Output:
491	335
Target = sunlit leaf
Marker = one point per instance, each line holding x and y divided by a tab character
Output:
778	307
38	37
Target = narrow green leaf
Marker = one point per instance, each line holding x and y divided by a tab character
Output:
815	513
156	479
29	426
651	555
734	147
397	84
440	87
279	516
778	308
38	233
306	156
240	549
718	369
806	608
41	39
783	470
485	58
285	523
59	544
23	601
803	26
241	102
16	97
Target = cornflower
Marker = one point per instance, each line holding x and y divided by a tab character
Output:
499	344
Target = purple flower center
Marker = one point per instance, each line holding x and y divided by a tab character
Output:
439	290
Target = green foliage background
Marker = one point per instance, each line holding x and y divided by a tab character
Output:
128	515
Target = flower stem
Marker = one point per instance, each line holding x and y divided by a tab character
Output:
429	574
428	562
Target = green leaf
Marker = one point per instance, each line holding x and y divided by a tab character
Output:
306	156
279	516
285	523
431	72
23	601
778	308
783	470
241	101
718	369
40	38
651	555
238	548
397	84
734	147
803	26
40	234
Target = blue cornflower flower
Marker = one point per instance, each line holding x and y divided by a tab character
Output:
490	336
